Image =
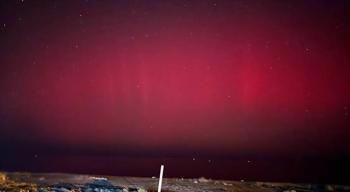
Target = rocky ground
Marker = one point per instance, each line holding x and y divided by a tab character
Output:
26	182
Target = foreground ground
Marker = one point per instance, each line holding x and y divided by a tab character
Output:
26	182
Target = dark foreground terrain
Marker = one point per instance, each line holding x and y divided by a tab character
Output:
28	182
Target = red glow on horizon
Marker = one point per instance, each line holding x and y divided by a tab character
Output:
252	82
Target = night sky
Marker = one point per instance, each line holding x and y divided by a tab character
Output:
190	79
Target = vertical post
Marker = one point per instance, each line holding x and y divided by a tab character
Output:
160	178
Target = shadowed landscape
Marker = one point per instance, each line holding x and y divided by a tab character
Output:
65	182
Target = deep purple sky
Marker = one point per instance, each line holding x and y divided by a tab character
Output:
177	77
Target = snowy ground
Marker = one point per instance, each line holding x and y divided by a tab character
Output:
68	182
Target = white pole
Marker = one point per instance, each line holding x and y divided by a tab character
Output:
160	178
